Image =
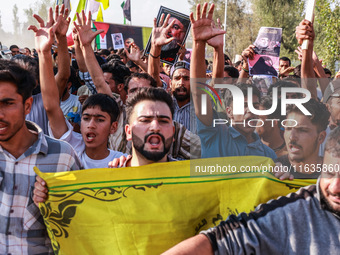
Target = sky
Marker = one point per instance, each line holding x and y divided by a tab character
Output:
142	11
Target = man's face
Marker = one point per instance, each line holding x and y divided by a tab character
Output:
166	69
12	111
267	127
136	83
283	64
96	127
128	42
180	84
151	130
111	82
333	105
330	183
263	42
27	52
15	51
177	30
303	140
244	129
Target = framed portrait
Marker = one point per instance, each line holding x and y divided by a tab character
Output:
179	31
118	41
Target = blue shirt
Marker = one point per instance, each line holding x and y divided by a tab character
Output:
225	141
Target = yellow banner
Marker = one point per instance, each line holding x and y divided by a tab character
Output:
146	210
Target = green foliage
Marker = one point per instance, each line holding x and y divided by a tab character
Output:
241	30
327	30
286	14
16	24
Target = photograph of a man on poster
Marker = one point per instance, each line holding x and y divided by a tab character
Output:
268	41
267	52
179	31
118	42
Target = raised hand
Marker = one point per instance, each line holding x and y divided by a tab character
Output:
216	41
160	33
248	53
304	31
202	29
62	19
44	36
85	33
134	54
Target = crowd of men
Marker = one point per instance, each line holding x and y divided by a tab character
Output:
80	109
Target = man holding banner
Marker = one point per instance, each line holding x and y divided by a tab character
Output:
303	222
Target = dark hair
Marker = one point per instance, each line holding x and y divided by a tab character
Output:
28	63
131	64
244	88
286	59
114	57
13	47
145	76
105	52
281	84
267	102
13	73
292	78
232	71
320	114
119	72
327	71
105	102
121	53
74	79
332	145
152	94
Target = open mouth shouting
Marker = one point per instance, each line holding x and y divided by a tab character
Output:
154	140
90	136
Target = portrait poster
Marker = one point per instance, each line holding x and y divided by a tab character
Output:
179	31
118	41
267	52
105	40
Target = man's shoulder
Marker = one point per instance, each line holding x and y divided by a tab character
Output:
58	146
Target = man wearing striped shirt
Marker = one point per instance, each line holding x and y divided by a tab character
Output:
23	146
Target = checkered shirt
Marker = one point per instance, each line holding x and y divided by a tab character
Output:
22	230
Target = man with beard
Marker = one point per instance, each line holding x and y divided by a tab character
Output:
305	222
149	113
303	136
180	87
177	33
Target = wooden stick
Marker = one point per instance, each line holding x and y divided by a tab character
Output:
309	16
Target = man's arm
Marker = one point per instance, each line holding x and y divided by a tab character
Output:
199	244
44	38
217	43
158	39
248	53
305	31
63	74
202	31
86	36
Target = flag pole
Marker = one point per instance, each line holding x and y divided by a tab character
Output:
225	23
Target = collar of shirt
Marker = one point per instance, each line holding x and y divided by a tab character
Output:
39	146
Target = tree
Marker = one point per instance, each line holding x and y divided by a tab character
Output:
16	23
327	30
241	29
286	14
